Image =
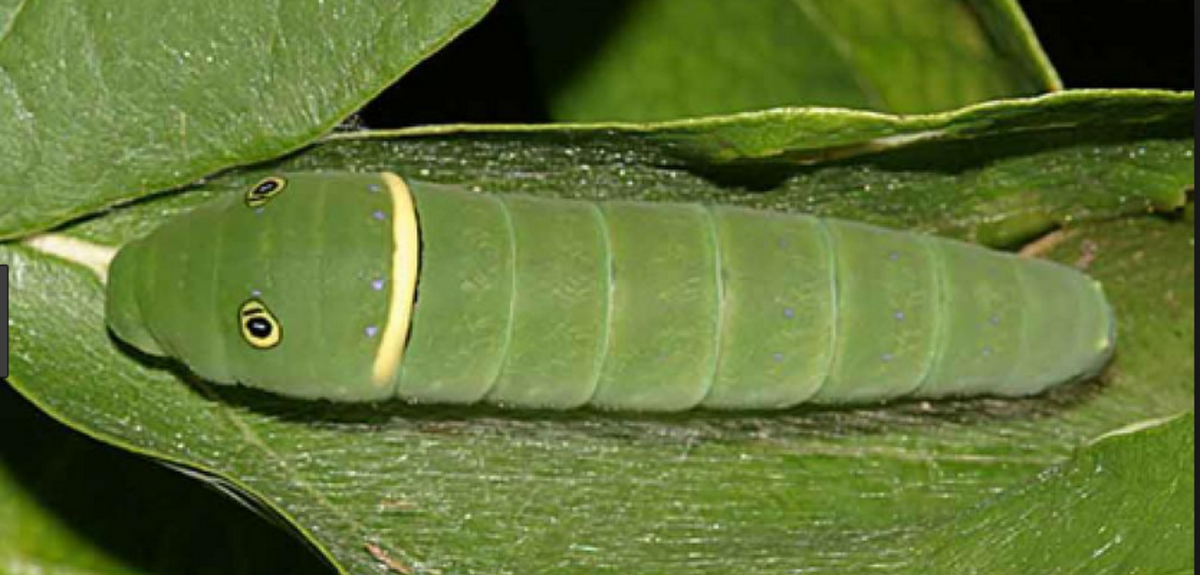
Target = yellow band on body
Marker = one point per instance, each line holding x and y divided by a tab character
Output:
405	254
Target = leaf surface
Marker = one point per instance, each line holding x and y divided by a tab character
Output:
641	60
71	506
475	491
145	98
1124	505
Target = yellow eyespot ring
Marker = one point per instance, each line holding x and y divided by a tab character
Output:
262	192
259	326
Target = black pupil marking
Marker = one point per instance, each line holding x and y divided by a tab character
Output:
266	188
259	328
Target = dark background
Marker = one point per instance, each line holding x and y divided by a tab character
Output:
1118	43
1093	43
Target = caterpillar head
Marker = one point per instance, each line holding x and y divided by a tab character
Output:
289	287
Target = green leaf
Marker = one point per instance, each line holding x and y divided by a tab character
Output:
1123	505
474	491
144	98
640	60
70	506
998	173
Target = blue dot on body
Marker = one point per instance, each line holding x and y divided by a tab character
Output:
789	313
372	331
778	357
995	320
377	285
374	188
379	215
988	351
888	358
900	315
256	293
894	256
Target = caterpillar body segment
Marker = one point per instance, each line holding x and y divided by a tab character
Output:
367	287
559	333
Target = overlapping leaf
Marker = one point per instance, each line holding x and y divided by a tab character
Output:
143	99
642	60
101	101
1123	505
70	506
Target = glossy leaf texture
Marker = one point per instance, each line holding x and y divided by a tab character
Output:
146	97
1125	504
126	110
643	60
1099	178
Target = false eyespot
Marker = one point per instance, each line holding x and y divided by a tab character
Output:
264	191
260	328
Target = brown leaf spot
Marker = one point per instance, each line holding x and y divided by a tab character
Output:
1045	244
381	556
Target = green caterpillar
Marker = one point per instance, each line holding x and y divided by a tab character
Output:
366	287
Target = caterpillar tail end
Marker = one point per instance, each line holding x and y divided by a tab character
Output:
1073	337
1106	345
